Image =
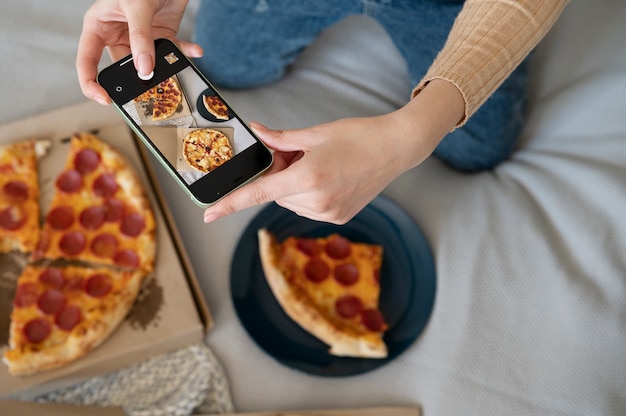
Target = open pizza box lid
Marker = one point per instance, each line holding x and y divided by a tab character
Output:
362	411
13	407
170	312
41	409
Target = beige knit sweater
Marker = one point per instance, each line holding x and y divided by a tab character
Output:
487	42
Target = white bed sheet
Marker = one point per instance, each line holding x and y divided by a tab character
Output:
530	312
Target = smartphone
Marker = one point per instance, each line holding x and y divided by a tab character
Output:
186	124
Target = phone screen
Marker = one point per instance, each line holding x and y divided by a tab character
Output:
187	124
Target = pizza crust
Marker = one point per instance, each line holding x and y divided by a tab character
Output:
135	195
308	317
22	158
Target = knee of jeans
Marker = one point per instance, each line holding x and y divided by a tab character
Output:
238	74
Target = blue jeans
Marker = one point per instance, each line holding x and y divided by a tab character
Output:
248	43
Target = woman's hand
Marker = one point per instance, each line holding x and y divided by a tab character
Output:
125	27
331	171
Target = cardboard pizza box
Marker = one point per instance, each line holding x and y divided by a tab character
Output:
170	313
13	407
362	411
50	409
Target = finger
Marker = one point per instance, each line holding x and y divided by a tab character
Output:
282	140
263	190
139	16
117	52
90	48
193	50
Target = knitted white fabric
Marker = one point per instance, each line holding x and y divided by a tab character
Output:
176	383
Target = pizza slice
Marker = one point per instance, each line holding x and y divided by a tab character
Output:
60	314
206	149
216	107
19	195
99	212
330	287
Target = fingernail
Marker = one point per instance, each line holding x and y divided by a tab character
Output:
100	100
144	64
256	126
197	52
209	217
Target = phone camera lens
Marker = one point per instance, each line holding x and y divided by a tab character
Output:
118	88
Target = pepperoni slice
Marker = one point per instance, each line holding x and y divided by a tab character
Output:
92	217
52	278
338	248
348	306
127	258
309	246
373	320
98	285
316	270
104	245
72	243
51	301
132	224
70	181
105	185
26	294
37	330
114	209
68	317
60	218
86	160
16	190
346	274
12	218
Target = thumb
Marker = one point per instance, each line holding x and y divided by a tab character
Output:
281	140
139	16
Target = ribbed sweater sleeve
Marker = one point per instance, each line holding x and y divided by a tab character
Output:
488	40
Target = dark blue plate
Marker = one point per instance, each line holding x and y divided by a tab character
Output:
408	284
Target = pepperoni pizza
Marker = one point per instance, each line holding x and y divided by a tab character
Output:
330	287
99	212
163	99
19	196
60	314
95	248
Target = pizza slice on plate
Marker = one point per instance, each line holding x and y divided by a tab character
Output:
99	212
215	106
329	286
60	314
19	195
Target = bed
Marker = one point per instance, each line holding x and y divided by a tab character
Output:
530	309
